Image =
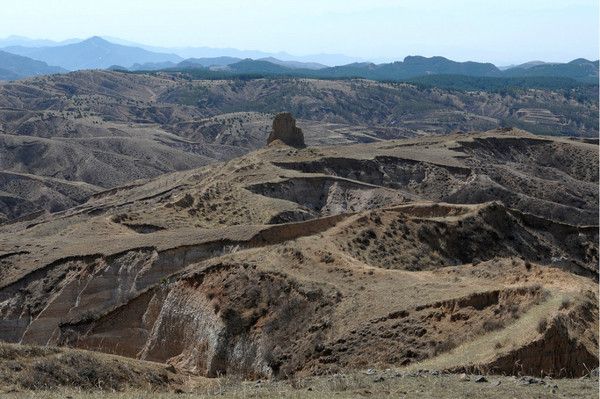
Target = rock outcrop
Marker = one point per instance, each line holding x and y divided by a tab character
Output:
284	129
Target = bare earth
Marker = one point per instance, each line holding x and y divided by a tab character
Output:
472	253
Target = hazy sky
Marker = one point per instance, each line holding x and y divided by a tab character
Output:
500	31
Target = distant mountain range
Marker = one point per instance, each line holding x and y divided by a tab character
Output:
14	66
93	53
44	57
579	70
27	42
211	52
207	62
412	66
263	65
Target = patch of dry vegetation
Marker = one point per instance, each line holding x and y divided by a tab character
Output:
34	368
372	384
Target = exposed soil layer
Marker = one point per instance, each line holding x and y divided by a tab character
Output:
295	262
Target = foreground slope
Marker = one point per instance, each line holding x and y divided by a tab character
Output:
36	368
60	373
470	251
68	373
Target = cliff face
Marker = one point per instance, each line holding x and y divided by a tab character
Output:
228	319
556	353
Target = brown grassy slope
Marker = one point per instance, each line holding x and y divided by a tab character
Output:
108	128
283	184
294	262
25	194
125	379
34	368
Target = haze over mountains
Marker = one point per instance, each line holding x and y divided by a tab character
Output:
15	40
14	66
93	53
99	53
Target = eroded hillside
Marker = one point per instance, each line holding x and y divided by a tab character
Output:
100	129
460	252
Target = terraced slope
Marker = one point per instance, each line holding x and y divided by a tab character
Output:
300	262
108	129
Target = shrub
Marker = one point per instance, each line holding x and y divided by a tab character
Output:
565	304
542	325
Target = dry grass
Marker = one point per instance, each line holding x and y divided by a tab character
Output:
379	385
37	368
483	349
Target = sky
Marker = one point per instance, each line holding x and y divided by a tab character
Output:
503	32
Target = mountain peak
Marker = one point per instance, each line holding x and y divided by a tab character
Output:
580	61
94	53
420	58
96	40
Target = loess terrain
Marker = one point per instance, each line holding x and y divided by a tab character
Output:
64	137
464	252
